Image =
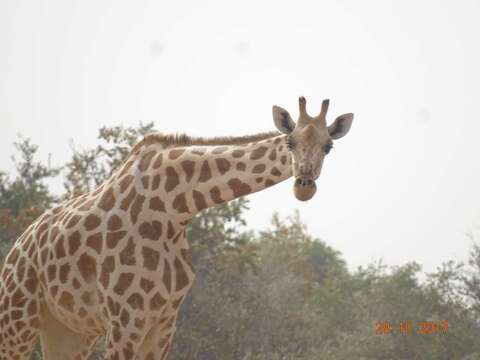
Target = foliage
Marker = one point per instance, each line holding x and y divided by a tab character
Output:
277	294
23	199
88	168
472	279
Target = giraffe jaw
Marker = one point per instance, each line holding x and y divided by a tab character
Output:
304	190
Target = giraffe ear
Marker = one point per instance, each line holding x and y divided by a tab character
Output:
282	119
340	126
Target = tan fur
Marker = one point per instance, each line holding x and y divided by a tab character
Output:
72	345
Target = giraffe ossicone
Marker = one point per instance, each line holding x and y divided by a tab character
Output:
115	261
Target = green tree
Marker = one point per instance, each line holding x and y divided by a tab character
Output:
25	197
88	168
471	279
253	297
278	294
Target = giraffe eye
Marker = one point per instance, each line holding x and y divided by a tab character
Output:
327	148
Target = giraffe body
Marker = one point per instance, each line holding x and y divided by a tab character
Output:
115	261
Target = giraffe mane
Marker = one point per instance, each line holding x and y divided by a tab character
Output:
177	140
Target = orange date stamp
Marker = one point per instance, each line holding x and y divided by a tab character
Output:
411	327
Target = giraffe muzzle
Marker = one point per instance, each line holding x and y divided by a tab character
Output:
304	188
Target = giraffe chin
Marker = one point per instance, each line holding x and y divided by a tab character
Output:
304	193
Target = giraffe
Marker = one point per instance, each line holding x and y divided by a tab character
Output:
115	261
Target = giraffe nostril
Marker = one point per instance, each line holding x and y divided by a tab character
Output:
300	181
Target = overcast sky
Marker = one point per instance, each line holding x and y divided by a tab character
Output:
401	186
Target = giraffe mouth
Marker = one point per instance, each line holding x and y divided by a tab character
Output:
304	188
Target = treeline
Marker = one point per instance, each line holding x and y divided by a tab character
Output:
276	294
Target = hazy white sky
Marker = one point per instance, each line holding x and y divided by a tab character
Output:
402	185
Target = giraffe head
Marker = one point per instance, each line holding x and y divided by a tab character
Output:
309	141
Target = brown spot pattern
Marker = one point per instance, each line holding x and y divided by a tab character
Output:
223	165
157	204
199	200
146	160
63	272
156	182
157	302
95	241
73	242
66	301
76	283
91	222
127	255
158	161
241	166
124	319
180	203
43	239
258	153
238	187
216	195
170	230
18	299
273	155
219	150
59	248
167	276
238	153
125	183
145	182
150	230
13	256
188	167
114	223
31	282
113	237
146	285
198	151
136	208
175	153
107	200
51	272
72	222
135	301
87	298
269	182
86	266
275	172
172	179
259	168
107	268
127	200
205	172
123	283
150	258
139	323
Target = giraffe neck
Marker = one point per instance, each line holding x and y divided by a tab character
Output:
189	179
